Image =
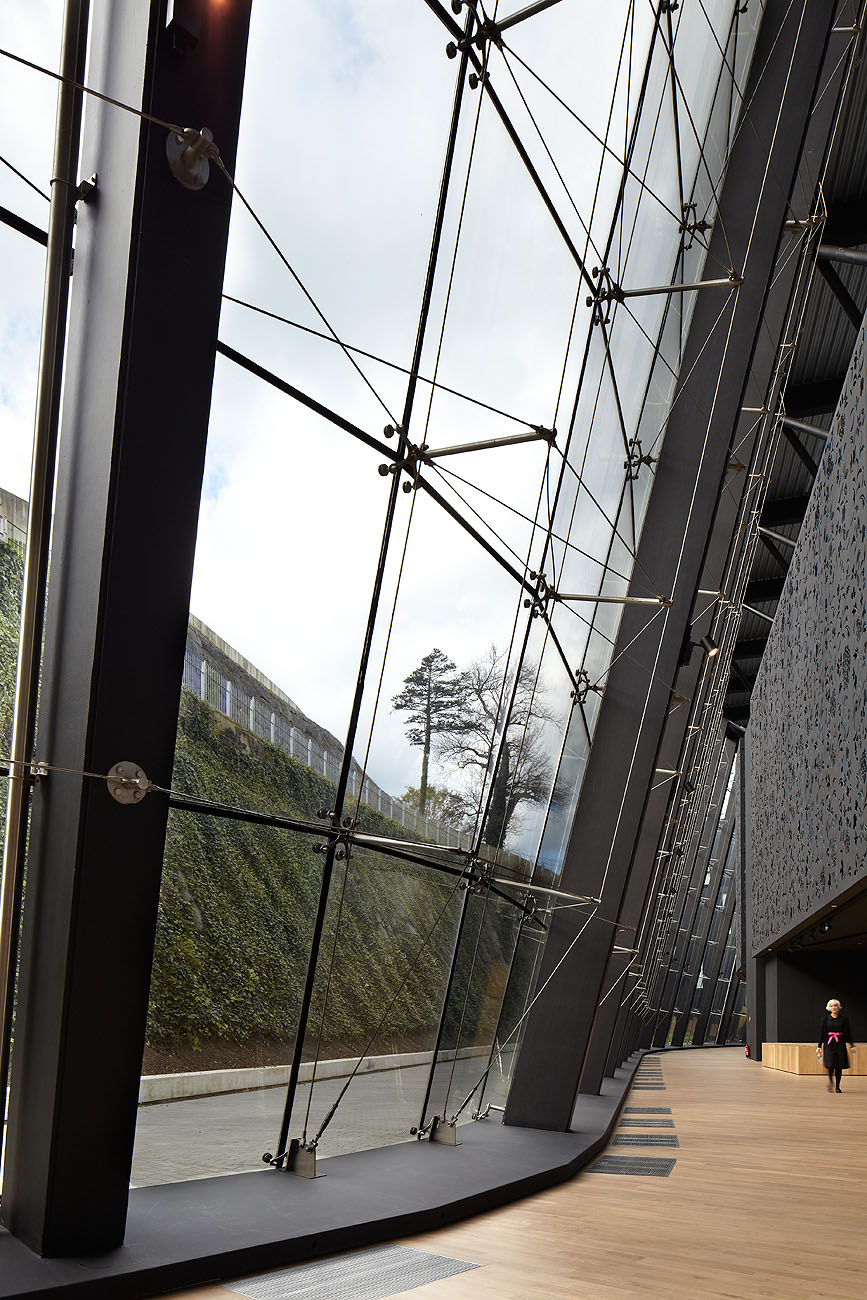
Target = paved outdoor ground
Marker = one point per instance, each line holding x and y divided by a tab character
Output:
204	1136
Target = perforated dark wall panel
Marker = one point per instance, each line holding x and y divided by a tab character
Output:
807	777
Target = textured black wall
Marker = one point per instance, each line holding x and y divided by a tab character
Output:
807	740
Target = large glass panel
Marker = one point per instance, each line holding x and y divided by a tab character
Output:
351	205
32	31
387	950
237	906
281	586
471	720
517	1000
488	937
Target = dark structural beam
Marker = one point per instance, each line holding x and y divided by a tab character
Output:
773	549
763	589
750	649
839	290
747	681
818	397
786	510
850	256
24	227
799	449
144	309
565	1046
846	223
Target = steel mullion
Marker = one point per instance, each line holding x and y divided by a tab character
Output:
391	508
512	133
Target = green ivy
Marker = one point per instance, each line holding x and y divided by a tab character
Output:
238	902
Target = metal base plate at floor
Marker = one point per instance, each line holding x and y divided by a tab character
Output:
360	1275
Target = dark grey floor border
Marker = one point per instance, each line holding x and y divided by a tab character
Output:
184	1234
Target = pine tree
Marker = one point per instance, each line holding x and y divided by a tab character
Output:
434	697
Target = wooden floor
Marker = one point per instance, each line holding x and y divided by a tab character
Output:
767	1199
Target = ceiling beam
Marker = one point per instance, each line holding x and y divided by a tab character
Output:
846	223
786	510
763	589
839	290
753	649
817	397
799	449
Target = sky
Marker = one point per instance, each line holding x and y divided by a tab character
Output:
344	126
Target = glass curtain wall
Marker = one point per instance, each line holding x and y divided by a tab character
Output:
450	423
448	349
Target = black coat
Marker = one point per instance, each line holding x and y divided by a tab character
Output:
834	1054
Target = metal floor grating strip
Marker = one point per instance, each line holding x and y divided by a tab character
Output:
361	1275
646	1110
644	1140
650	1122
638	1166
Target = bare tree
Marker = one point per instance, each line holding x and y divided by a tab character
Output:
443	804
524	772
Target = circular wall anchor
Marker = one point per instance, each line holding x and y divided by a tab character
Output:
127	783
188	156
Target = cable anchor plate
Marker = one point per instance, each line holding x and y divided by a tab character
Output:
127	783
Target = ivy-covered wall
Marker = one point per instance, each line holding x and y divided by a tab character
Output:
11	574
238	903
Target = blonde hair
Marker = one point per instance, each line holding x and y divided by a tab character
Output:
835	1002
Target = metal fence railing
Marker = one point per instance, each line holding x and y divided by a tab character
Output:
258	714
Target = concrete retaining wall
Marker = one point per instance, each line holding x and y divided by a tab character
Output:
209	1083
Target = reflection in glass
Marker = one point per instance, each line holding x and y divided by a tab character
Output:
486	947
237	903
385	957
509	1030
419	987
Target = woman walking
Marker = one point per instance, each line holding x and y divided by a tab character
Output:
834	1034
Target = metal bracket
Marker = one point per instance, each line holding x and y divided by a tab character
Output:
482	878
127	783
692	225
584	686
87	189
188	156
538	603
343	851
637	458
486	30
607	292
300	1160
444	1132
484	1114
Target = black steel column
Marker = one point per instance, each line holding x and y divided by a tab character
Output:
787	66
143	321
